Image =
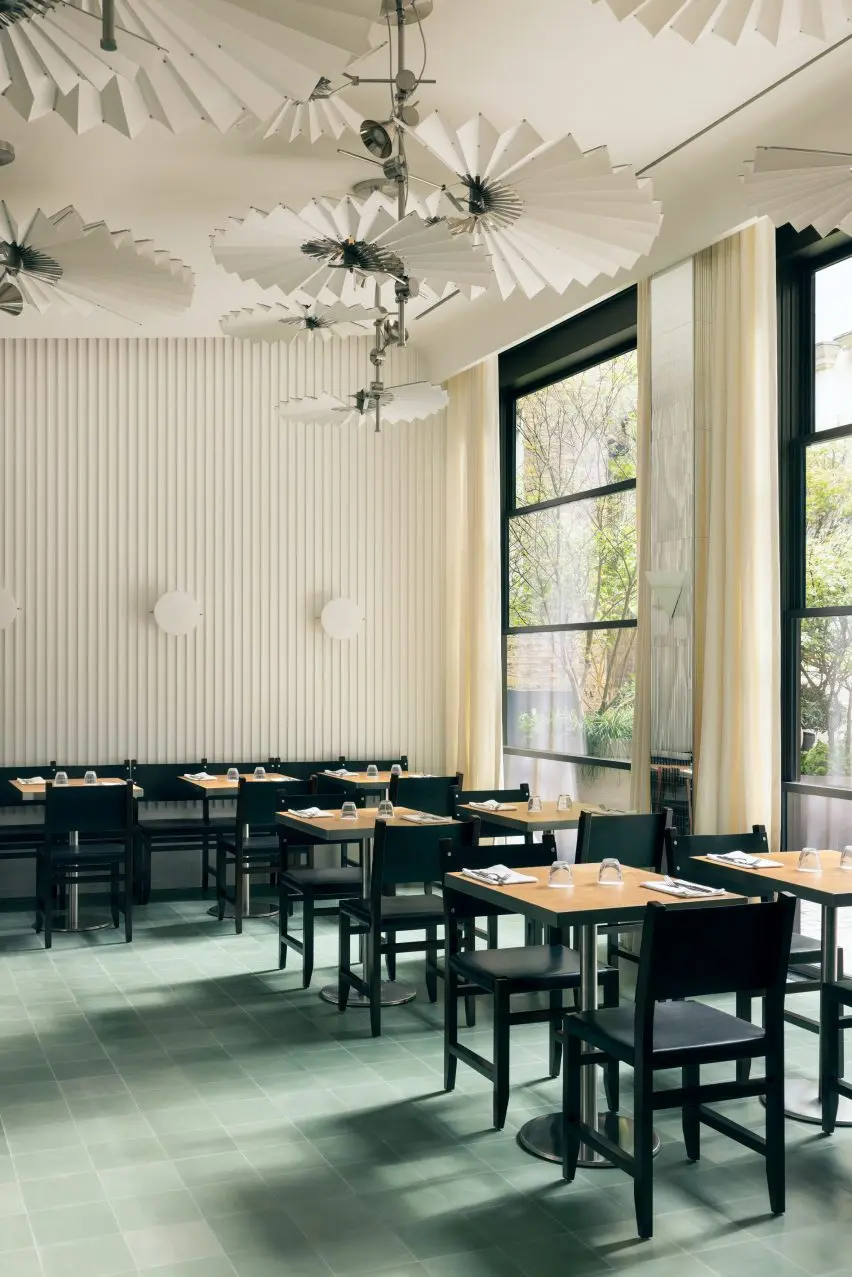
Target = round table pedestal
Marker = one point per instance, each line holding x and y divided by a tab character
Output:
262	911
63	922
542	1136
394	994
802	1103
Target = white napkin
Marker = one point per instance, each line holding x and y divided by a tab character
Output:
310	812
491	804
425	818
31	780
110	782
498	876
618	811
679	887
743	860
341	771
198	776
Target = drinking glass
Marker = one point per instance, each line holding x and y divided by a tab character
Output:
564	802
609	874
534	803
385	811
260	773
90	778
372	770
396	770
348	811
846	858
560	874
61	778
809	861
233	775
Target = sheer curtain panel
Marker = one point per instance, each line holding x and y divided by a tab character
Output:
640	762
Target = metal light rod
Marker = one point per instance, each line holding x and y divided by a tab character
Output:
108	41
402	178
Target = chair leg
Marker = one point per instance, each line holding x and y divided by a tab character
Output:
374	978
432	963
612	1086
390	955
239	888
775	1159
114	888
283	915
128	897
221	879
556	1011
571	1086
205	860
643	1153
39	878
451	1025
743	1012
491	931
344	961
501	1054
468	943
830	1064
690	1120
307	939
48	905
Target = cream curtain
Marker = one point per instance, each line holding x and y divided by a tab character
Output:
737	609
640	773
473	715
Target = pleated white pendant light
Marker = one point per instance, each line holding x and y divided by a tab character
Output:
730	19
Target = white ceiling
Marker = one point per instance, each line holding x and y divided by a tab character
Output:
562	64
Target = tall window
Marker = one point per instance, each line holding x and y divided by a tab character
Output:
815	298
570	584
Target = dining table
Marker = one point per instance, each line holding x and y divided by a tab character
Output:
584	905
828	886
220	786
35	792
359	782
333	827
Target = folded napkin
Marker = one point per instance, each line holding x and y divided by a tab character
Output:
198	776
742	860
618	811
310	812
498	876
110	782
31	780
491	804
680	887
340	771
426	818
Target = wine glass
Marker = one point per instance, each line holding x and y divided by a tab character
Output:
609	874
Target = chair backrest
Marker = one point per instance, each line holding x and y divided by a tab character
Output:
702	950
163	783
426	793
638	841
304	770
413	853
515	855
89	809
11	797
259	800
245	769
290	799
488	829
383	764
76	771
681	848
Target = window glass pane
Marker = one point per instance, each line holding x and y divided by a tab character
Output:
826	700
828	522
825	823
574	562
833	354
571	692
578	433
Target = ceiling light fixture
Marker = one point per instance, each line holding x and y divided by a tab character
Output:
804	188
287	323
729	19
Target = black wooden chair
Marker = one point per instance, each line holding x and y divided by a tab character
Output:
805	970
307	884
550	968
304	769
383	764
488	830
426	793
402	853
637	841
834	996
691	952
252	848
20	839
103	815
181	827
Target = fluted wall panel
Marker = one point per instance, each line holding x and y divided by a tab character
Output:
133	467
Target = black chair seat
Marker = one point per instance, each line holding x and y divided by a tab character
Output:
528	966
680	1029
401	911
804	949
174	823
90	851
256	845
329	881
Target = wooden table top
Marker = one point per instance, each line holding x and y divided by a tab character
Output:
333	828
587	901
218	784
38	791
361	780
517	817
832	886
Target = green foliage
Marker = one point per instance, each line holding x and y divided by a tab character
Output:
815	760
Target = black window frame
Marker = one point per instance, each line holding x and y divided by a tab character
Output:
800	255
592	337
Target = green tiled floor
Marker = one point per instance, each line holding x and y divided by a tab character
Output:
180	1107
